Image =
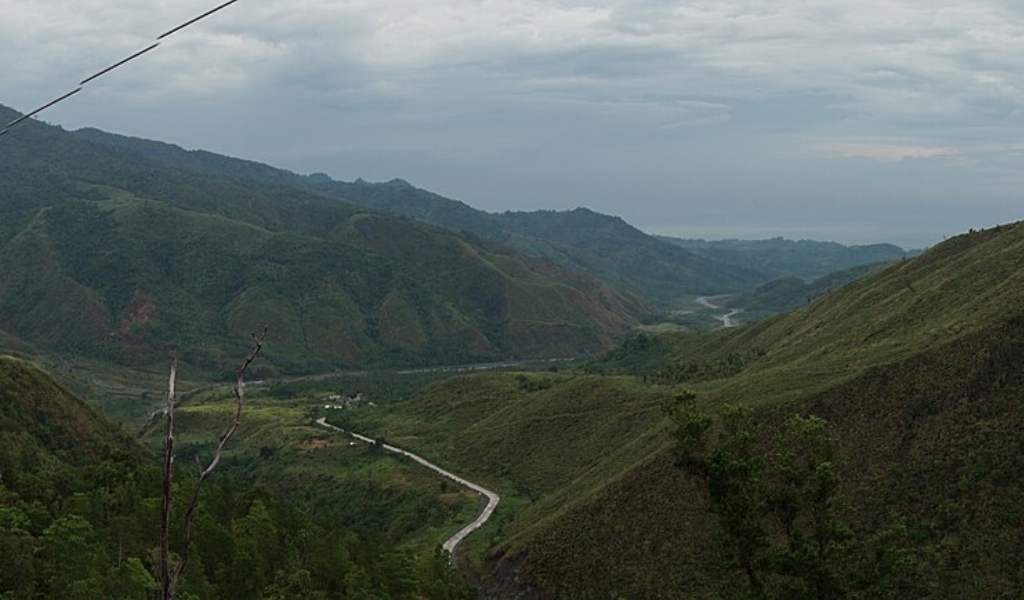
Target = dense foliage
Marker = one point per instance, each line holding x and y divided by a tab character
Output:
79	518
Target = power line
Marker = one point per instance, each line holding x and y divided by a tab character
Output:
199	18
117	64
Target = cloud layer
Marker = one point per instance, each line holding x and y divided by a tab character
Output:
802	117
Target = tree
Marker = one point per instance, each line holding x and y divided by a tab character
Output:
170	574
17	554
776	495
732	472
72	559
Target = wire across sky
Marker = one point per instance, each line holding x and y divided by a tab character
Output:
114	66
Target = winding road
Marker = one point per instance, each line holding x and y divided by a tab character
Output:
726	319
492	498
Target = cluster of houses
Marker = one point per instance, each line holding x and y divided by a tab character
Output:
337	402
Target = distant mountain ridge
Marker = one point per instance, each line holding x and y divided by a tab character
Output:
779	257
111	254
604	246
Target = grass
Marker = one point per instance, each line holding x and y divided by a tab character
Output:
530	436
278	446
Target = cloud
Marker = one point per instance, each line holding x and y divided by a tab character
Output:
882	61
883	152
561	101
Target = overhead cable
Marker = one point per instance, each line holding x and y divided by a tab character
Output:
117	64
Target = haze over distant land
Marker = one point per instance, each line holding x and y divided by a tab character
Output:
897	120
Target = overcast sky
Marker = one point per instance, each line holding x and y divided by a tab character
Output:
874	120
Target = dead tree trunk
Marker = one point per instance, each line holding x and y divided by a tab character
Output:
169	574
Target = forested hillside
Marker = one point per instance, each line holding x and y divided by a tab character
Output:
120	257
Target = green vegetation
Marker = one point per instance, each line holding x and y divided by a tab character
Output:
914	368
112	256
79	504
776	498
324	472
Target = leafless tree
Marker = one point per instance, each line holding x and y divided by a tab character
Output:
169	574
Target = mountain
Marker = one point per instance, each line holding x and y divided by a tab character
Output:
109	254
779	258
918	370
604	246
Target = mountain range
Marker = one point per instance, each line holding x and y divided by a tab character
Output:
660	270
133	250
110	254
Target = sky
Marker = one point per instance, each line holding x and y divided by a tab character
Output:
871	121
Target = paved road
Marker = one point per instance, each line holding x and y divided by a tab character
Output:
492	498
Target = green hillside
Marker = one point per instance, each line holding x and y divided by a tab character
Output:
42	421
790	293
606	247
123	258
917	368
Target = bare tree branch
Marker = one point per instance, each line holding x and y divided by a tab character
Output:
165	504
170	577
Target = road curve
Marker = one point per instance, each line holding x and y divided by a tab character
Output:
726	319
492	498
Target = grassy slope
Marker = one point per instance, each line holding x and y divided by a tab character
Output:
538	438
39	417
933	440
917	367
370	493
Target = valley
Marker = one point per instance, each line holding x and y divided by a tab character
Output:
727	318
535	360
